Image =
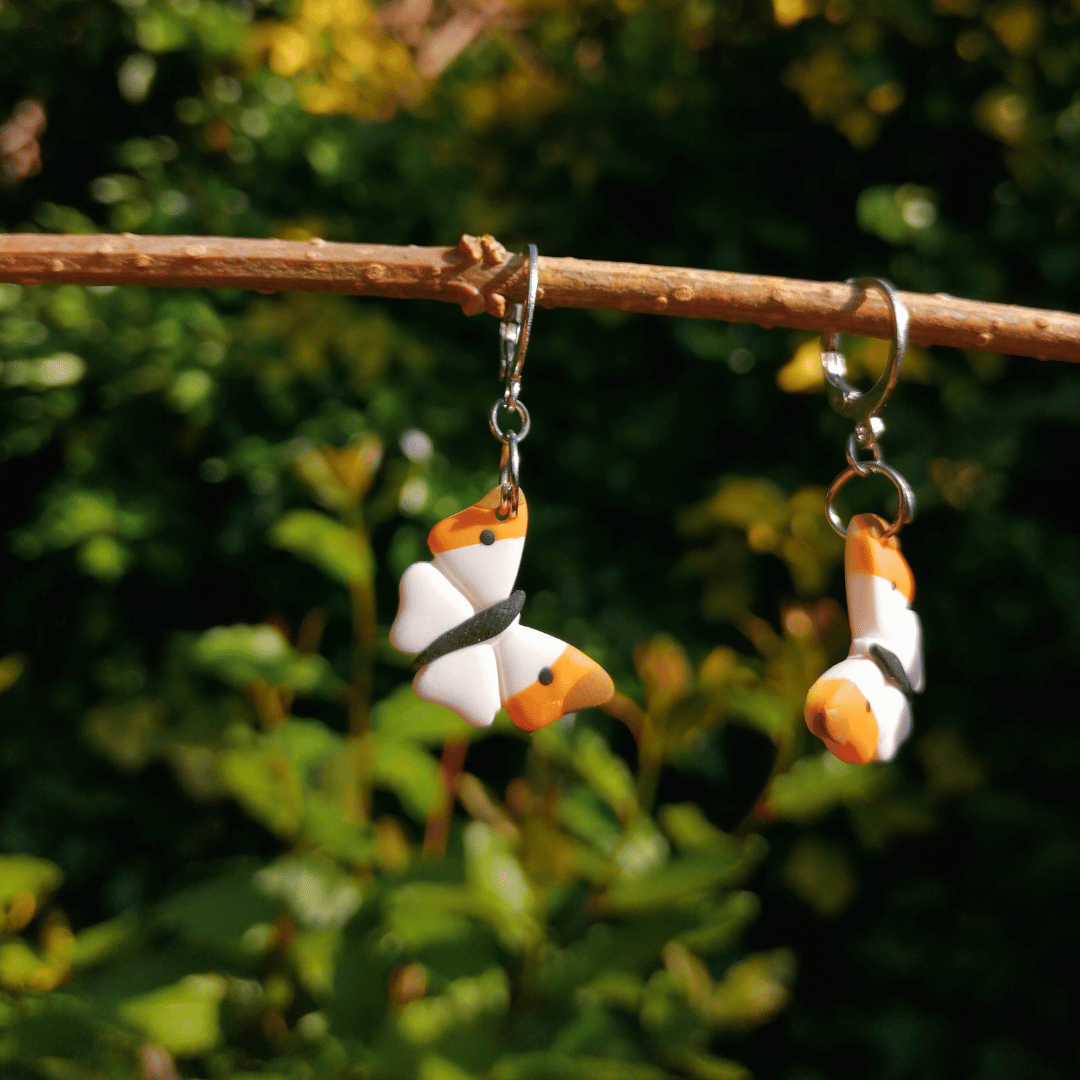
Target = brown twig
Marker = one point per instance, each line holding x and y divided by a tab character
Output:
437	830
481	275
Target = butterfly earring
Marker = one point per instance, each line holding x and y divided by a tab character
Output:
458	612
861	707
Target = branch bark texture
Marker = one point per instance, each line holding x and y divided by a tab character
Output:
481	275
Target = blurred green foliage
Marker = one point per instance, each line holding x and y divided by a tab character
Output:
228	848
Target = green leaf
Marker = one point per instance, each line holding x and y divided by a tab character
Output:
582	813
754	990
20	966
689	828
759	709
314	952
25	873
244	654
100	942
815	785
633	947
404	716
482	997
589	755
11	668
433	1067
721	923
547	1066
218	913
336	830
686	878
331	546
182	1018
410	772
493	871
314	889
306	743
263	780
706	1067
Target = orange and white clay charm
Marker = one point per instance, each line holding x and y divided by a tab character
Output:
457	611
459	614
860	707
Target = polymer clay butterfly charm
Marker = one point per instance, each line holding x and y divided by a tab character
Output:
459	614
861	707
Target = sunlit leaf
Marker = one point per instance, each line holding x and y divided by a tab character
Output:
754	990
403	716
182	1018
410	772
339	551
543	1065
11	668
27	874
243	654
816	784
313	888
686	878
426	1021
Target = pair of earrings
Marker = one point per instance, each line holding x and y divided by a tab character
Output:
458	613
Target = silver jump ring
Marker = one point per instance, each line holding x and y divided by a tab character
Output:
857	464
905	510
512	405
509	484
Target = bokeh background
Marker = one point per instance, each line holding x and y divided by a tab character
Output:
226	848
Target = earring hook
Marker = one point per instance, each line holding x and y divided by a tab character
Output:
516	328
863	406
513	343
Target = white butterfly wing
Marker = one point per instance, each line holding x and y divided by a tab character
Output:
523	653
485	573
466	680
542	678
880	614
890	707
429	606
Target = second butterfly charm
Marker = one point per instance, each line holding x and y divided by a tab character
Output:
458	612
861	707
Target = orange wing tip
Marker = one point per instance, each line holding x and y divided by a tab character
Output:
837	713
576	683
468	526
867	551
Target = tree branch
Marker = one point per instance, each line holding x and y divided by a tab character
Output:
481	275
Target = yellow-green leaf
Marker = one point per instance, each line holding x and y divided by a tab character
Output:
25	873
331	546
410	772
815	785
245	654
183	1018
684	879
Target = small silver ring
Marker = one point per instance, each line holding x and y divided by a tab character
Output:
513	405
905	510
857	464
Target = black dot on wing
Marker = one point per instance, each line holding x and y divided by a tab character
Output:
868	706
546	676
487	538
